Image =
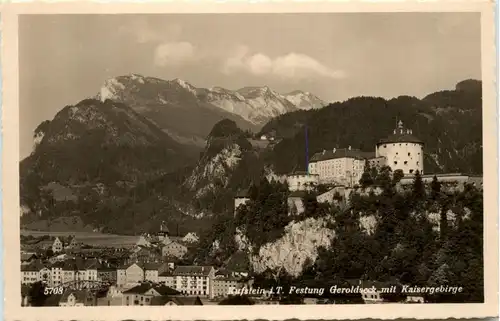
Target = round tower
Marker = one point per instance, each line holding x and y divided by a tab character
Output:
402	151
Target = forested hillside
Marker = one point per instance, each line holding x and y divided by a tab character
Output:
449	122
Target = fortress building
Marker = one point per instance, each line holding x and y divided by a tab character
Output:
342	166
345	166
402	150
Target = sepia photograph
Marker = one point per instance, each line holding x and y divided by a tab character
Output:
296	158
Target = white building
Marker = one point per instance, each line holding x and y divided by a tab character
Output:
129	274
402	151
194	280
343	166
57	246
29	274
302	181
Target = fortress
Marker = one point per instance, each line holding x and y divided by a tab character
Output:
401	150
342	169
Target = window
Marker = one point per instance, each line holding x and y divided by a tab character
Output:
411	171
395	162
397	153
406	162
418	162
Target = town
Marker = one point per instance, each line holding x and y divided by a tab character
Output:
150	270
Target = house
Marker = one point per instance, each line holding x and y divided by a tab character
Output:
174	249
129	274
372	291
57	245
91	267
114	296
224	285
77	298
69	271
167	278
57	274
145	255
27	258
29	273
145	292
191	237
176	300
72	244
106	274
194	280
302	181
151	272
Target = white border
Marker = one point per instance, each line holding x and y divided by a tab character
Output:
13	310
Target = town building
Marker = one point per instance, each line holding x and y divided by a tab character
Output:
129	274
302	181
175	300
29	274
106	274
167	278
174	249
57	246
194	280
151	272
402	151
77	298
191	237
144	293
223	285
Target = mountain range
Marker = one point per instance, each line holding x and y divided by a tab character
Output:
188	113
113	162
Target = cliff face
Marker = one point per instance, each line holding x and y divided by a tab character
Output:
299	243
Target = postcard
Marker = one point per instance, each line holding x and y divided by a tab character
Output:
215	161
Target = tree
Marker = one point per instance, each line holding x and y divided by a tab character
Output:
418	190
37	294
366	179
435	188
397	176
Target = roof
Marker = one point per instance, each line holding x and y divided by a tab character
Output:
178	300
27	256
401	134
192	270
151	266
298	173
341	153
242	194
145	287
80	295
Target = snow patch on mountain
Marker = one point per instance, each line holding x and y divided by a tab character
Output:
255	104
110	89
304	100
300	242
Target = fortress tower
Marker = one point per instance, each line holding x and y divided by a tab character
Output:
402	151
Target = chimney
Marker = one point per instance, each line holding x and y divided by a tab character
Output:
334	150
349	147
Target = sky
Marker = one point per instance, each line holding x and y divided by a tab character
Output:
66	58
